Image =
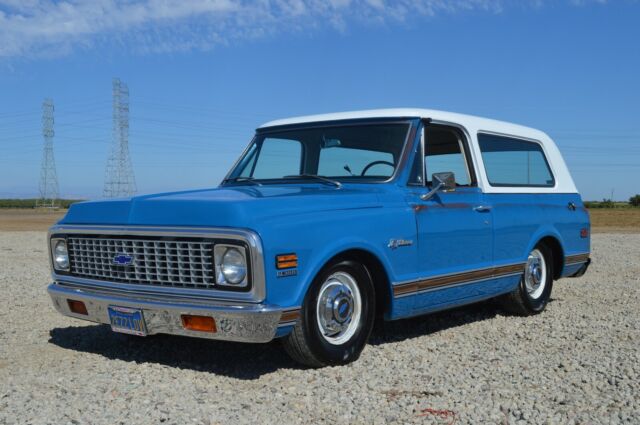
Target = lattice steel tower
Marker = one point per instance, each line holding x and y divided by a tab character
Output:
119	178
48	176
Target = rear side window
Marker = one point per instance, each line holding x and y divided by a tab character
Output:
514	162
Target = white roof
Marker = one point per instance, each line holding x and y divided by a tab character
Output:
404	113
473	125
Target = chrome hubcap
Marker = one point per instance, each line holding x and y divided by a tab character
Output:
535	274
339	308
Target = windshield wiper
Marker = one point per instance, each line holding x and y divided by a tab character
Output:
250	180
315	177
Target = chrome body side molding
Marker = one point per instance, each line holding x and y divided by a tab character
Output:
414	287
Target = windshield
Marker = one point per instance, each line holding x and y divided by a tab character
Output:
358	152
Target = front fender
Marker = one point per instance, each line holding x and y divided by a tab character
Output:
330	251
316	239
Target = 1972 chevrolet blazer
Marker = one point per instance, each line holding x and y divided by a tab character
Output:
326	223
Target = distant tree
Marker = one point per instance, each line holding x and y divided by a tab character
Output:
31	203
607	203
635	200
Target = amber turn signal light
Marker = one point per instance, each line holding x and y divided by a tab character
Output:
286	261
198	323
77	307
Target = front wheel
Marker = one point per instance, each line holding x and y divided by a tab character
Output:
534	290
337	317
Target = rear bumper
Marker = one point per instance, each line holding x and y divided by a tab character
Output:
234	322
583	269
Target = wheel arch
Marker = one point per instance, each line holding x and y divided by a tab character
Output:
557	252
376	270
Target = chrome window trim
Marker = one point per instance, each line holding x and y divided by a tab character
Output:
256	294
472	169
237	161
418	154
464	157
524	139
423	156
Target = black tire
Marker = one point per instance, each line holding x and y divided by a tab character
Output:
520	302
306	345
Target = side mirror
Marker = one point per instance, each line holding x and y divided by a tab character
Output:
447	179
440	181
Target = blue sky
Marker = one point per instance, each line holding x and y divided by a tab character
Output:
203	75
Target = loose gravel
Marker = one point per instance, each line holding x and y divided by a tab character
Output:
578	362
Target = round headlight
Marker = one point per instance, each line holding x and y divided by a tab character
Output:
234	267
60	255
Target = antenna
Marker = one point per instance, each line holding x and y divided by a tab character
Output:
48	177
119	178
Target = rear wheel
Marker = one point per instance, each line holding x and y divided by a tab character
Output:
337	317
534	290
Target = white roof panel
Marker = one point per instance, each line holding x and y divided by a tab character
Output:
462	119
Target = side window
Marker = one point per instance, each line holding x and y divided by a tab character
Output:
514	162
339	161
444	151
277	158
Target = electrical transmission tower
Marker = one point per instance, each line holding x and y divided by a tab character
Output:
48	177
119	178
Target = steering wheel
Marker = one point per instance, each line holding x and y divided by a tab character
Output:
371	164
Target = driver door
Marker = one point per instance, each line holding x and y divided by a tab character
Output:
454	227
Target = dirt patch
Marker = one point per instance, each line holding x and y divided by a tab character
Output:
28	219
615	220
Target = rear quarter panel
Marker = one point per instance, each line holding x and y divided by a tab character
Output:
521	220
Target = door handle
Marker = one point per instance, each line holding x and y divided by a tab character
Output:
482	208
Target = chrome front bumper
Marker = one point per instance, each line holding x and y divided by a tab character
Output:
234	322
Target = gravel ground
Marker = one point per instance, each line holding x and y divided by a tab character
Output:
578	362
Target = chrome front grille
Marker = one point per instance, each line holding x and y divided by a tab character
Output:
161	262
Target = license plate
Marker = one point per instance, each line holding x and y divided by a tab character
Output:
127	320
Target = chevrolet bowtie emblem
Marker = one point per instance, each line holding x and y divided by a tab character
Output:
123	259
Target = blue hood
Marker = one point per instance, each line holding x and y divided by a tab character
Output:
236	206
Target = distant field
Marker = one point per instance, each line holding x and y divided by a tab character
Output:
615	220
15	219
603	220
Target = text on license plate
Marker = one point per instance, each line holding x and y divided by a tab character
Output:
127	320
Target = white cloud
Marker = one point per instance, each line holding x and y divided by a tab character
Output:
33	28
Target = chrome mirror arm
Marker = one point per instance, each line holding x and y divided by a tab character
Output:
436	188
